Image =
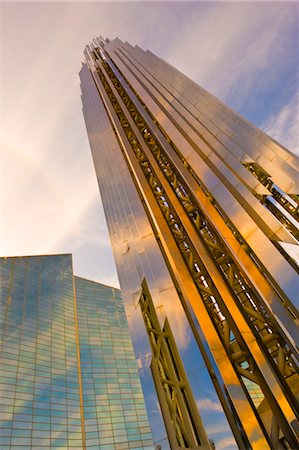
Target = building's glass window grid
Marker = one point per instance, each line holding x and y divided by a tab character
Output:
114	410
42	334
39	377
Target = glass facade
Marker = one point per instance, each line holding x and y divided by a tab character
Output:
114	410
49	388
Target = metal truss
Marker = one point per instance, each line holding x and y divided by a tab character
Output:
183	423
271	340
293	198
262	321
289	202
291	205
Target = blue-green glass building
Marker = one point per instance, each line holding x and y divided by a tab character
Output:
68	376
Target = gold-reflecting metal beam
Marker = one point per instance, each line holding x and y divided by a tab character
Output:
184	244
183	423
245	293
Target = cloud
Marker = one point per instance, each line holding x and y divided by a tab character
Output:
283	125
49	183
206	404
216	428
236	45
215	422
228	443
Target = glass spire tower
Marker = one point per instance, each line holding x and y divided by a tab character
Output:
68	376
202	208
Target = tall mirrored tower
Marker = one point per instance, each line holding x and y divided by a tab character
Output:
202	209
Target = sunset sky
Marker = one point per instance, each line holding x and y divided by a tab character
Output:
244	53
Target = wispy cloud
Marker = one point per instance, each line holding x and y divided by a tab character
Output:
215	422
226	443
217	428
284	125
49	184
240	47
206	404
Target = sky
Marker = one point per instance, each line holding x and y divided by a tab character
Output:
244	53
